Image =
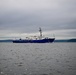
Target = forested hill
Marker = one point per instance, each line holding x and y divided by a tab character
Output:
6	40
69	40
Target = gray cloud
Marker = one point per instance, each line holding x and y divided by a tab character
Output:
29	15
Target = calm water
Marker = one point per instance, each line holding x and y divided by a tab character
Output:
38	59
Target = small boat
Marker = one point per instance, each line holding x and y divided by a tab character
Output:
36	40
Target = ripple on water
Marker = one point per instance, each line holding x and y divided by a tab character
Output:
20	64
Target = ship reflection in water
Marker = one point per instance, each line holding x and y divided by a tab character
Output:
39	39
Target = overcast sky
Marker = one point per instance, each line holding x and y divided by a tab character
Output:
23	17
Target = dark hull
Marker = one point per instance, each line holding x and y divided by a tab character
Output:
50	40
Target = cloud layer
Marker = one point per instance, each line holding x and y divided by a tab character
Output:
26	16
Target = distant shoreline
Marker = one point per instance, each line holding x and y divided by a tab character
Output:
66	40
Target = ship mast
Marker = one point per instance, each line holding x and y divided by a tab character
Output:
40	30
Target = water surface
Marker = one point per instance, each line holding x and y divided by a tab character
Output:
38	59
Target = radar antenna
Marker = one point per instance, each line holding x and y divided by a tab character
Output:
40	30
